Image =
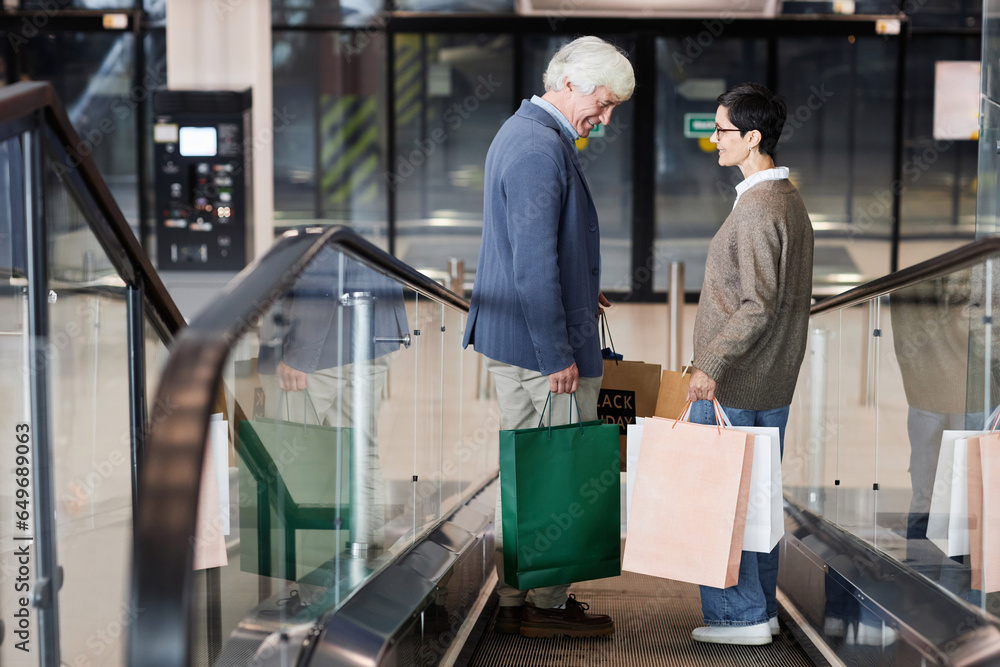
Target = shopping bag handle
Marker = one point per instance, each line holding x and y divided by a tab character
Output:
548	399
288	411
993	419
606	329
721	420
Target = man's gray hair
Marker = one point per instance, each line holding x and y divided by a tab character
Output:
589	62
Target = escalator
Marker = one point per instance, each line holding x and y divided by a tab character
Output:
344	516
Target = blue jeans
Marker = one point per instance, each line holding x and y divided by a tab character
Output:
754	598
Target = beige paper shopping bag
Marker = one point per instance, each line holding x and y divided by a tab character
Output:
673	393
984	511
689	504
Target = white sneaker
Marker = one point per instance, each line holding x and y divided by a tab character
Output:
833	627
750	635
775	629
873	635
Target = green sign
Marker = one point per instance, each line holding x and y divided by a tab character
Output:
697	125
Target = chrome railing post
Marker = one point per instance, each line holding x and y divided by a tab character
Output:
362	477
675	305
816	453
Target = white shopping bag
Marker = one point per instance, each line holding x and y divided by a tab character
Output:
633	439
765	515
948	518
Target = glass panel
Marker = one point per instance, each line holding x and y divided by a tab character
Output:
937	338
333	414
811	464
428	393
91	454
693	193
942	13
491	6
331	12
606	162
838	144
988	195
328	163
453	92
46	5
16	407
939	199
457	471
155	45
855	461
911	402
92	74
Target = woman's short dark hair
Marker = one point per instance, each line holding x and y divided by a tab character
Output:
751	106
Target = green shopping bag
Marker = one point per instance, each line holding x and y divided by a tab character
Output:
561	503
290	480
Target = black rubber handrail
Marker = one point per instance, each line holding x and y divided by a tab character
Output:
170	481
943	264
24	99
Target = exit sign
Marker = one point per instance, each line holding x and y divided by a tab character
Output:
697	125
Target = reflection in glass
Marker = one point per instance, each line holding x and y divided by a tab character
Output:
940	345
325	363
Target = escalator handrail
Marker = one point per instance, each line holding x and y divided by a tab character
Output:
162	577
935	267
21	100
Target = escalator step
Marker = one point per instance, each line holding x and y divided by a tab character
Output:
653	622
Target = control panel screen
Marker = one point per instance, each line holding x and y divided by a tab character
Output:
198	141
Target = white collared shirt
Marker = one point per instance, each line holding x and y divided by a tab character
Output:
775	174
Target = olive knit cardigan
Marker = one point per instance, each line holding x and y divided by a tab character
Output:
753	317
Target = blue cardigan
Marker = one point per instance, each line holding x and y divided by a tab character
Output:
534	303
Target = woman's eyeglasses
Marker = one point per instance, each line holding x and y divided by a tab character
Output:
720	130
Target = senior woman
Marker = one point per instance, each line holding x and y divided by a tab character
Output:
751	328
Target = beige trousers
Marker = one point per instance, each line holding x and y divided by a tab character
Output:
329	401
521	395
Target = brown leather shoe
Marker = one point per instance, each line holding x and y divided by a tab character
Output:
573	621
508	620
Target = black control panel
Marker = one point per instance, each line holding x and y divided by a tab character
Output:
202	176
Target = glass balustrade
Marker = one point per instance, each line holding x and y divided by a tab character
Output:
78	309
350	423
892	442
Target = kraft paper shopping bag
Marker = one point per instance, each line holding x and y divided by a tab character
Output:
984	511
628	390
673	393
